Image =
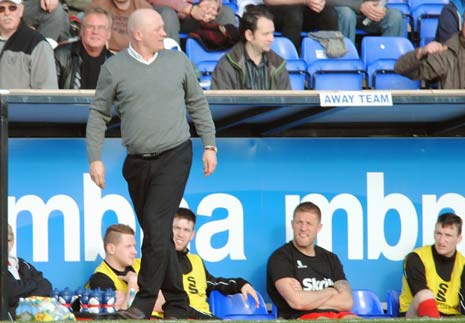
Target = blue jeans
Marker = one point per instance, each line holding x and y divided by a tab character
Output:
391	25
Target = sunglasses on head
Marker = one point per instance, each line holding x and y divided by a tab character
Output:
11	8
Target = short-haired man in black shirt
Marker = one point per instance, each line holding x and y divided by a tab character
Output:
304	280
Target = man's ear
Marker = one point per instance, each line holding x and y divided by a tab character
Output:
248	35
110	248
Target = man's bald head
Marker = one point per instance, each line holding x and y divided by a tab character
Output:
140	18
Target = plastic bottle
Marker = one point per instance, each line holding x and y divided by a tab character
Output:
65	297
85	301
132	295
109	299
95	299
367	20
23	311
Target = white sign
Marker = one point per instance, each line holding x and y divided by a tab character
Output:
355	98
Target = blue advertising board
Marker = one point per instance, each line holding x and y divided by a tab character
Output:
379	197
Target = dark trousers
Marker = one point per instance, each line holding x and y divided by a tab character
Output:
292	20
156	186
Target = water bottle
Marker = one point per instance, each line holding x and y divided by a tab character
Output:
95	299
132	295
109	299
55	293
23	311
64	298
367	20
85	301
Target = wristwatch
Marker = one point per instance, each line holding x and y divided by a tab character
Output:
211	148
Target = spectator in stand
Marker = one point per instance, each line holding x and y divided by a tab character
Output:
291	17
198	282
78	64
450	20
48	17
120	11
436	62
24	280
304	280
183	16
252	64
433	284
27	58
351	14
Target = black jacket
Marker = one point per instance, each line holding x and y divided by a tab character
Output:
32	283
68	63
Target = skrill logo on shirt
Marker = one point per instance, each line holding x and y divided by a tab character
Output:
312	284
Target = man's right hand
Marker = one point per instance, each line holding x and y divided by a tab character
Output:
97	173
316	5
371	10
433	47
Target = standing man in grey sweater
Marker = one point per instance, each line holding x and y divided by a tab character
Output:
151	89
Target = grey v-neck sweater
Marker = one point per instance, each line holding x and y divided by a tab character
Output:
152	101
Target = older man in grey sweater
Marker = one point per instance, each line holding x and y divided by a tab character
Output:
151	89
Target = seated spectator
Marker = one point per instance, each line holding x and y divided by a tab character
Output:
252	64
433	284
119	269
304	280
450	20
293	17
384	21
48	17
25	52
120	11
183	16
78	64
198	282
436	62
24	280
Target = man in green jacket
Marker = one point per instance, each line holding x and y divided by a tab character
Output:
436	62
252	64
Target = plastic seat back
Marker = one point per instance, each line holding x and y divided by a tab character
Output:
367	304
295	65
379	54
233	307
392	303
343	73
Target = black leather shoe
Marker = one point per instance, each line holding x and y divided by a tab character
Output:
132	313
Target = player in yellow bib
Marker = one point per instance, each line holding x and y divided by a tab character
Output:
433	283
198	282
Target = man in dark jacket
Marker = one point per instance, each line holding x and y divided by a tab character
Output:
78	64
450	20
252	64
23	279
436	62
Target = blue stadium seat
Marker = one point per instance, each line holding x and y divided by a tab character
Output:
295	65
392	303
425	15
203	59
233	307
367	304
343	73
379	55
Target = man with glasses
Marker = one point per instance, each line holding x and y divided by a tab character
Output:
26	59
78	64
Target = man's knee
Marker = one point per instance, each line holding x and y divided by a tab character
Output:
346	16
393	23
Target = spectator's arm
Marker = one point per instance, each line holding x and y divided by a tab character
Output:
43	69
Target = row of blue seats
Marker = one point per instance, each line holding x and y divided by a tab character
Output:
233	307
313	70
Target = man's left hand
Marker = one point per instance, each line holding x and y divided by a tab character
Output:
246	290
209	161
49	5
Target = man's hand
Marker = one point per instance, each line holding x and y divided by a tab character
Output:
371	10
209	161
97	173
433	47
49	5
129	277
246	290
316	5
